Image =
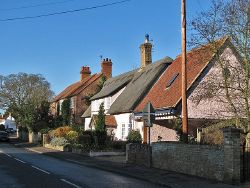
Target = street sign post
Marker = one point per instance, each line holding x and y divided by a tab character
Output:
148	117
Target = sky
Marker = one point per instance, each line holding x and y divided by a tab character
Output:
57	46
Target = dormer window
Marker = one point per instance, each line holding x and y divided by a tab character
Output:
170	82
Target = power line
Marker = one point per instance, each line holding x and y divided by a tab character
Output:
36	5
63	12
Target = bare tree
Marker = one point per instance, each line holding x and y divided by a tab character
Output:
232	19
23	95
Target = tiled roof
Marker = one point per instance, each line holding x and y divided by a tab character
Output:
138	87
109	120
77	87
162	96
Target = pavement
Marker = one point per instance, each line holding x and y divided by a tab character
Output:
118	165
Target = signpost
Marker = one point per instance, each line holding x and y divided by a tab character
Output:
148	117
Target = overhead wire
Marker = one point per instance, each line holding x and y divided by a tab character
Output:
35	5
64	12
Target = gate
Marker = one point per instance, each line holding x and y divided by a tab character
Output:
245	157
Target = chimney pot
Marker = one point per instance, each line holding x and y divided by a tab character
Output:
146	52
106	66
85	72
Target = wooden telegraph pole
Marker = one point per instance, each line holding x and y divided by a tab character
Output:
184	74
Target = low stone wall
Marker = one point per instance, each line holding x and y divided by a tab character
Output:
139	154
221	163
199	160
97	153
60	148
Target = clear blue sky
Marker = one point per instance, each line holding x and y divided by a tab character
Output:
58	46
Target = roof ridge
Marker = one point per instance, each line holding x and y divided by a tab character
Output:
96	74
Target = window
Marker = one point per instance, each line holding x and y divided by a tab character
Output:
129	127
172	80
123	131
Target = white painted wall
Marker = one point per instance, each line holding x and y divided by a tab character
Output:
122	120
87	123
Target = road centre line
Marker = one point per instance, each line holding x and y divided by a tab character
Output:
20	160
8	155
72	184
40	169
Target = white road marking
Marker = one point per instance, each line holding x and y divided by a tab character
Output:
20	160
7	155
74	185
40	169
34	150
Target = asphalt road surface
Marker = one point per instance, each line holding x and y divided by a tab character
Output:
23	168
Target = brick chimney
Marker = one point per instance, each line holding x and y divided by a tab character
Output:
146	52
85	72
107	68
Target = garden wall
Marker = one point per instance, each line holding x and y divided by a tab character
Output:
211	162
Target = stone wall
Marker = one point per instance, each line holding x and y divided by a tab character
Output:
211	162
139	154
221	163
199	160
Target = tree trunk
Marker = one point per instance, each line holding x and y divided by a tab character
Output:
248	141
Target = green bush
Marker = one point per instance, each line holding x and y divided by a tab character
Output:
85	139
100	136
72	136
118	145
23	129
44	131
59	141
134	137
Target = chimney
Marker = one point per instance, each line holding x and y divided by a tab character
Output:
85	72
146	52
107	68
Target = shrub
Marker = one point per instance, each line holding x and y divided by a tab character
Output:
72	136
23	129
51	134
44	131
62	131
118	145
59	141
100	136
84	139
134	137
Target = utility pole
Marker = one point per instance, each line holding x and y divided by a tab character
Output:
184	74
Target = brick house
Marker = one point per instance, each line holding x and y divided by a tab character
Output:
80	92
203	66
122	93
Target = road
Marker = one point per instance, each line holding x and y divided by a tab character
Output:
23	168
